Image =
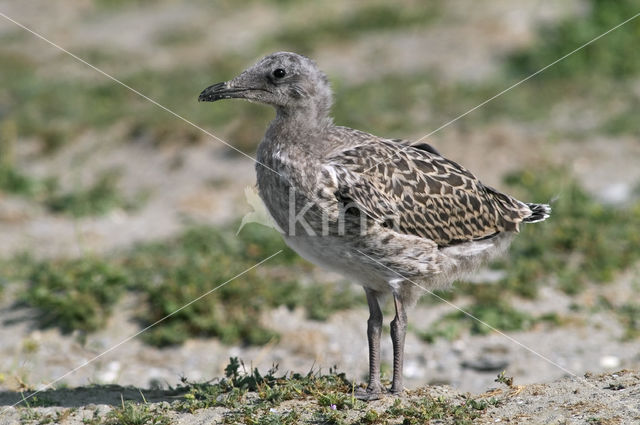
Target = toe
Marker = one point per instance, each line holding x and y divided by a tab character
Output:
396	391
369	394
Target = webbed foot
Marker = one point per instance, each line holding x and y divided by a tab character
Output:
370	393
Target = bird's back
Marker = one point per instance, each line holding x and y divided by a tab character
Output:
415	190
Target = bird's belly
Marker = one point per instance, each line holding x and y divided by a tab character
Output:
375	263
333	254
308	231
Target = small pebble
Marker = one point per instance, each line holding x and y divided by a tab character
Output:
110	374
458	346
413	369
486	363
616	193
609	362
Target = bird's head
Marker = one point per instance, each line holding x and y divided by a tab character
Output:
288	81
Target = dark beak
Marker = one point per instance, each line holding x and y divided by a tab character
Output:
220	91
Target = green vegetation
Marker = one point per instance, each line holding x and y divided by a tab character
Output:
353	22
592	75
589	77
359	105
176	273
503	379
81	293
80	104
111	4
231	390
71	106
584	81
179	36
11	179
436	408
497	314
629	316
14	182
252	397
29	414
320	301
490	309
584	240
136	414
612	57
97	199
332	393
75	294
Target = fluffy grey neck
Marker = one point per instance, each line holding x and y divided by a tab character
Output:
298	130
299	126
301	120
312	114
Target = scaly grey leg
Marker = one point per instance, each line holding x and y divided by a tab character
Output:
398	333
374	329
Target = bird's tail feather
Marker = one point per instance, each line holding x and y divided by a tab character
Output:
539	212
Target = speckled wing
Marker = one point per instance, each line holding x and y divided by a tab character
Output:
414	190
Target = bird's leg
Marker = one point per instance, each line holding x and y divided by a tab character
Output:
398	332
374	329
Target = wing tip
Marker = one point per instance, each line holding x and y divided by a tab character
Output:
539	212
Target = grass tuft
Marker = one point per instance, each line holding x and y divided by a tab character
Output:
136	414
76	294
428	409
271	389
584	241
612	56
98	199
81	293
373	17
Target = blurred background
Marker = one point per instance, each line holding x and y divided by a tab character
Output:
114	213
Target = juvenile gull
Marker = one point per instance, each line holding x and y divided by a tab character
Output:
387	215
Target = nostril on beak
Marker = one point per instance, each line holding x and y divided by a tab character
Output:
213	92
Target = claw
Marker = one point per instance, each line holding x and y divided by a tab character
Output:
369	395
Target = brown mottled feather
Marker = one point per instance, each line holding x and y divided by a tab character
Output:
418	192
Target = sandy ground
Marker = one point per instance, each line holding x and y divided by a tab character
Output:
587	343
602	399
551	392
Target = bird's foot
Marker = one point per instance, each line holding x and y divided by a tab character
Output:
395	391
373	392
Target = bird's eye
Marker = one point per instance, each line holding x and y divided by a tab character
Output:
279	73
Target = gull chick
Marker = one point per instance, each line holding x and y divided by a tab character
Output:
396	218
